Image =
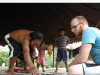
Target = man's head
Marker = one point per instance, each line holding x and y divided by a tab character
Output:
62	31
78	25
36	38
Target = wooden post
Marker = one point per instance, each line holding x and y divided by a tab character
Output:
53	56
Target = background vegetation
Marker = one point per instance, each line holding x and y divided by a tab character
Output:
49	59
4	58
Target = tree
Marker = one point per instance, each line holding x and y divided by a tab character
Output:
4	57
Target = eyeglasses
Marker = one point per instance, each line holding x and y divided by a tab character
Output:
74	26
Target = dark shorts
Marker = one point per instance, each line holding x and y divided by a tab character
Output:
15	48
61	54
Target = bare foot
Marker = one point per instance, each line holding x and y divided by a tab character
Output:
56	71
44	71
66	70
11	72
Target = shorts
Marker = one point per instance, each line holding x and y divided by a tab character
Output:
91	69
40	60
61	54
15	48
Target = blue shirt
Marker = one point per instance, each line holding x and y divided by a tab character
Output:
92	35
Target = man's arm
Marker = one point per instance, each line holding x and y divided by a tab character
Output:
26	53
56	40
25	45
34	53
68	42
83	54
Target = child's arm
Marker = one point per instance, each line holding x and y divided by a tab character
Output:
68	42
56	40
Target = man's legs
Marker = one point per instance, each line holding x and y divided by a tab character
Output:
57	65
66	64
59	58
11	65
65	59
43	68
26	68
75	70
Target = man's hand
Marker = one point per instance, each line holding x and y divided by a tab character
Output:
34	54
33	71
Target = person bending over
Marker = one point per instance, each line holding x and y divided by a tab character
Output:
23	41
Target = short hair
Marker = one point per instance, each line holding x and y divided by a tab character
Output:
36	35
61	29
81	19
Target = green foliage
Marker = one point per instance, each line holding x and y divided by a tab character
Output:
49	59
4	57
62	64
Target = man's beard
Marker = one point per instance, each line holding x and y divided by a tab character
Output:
79	34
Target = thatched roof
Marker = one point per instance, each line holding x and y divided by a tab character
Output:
46	18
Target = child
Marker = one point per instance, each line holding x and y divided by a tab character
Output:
41	58
62	51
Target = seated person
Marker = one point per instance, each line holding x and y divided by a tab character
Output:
90	46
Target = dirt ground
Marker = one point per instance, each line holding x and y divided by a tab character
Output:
61	71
